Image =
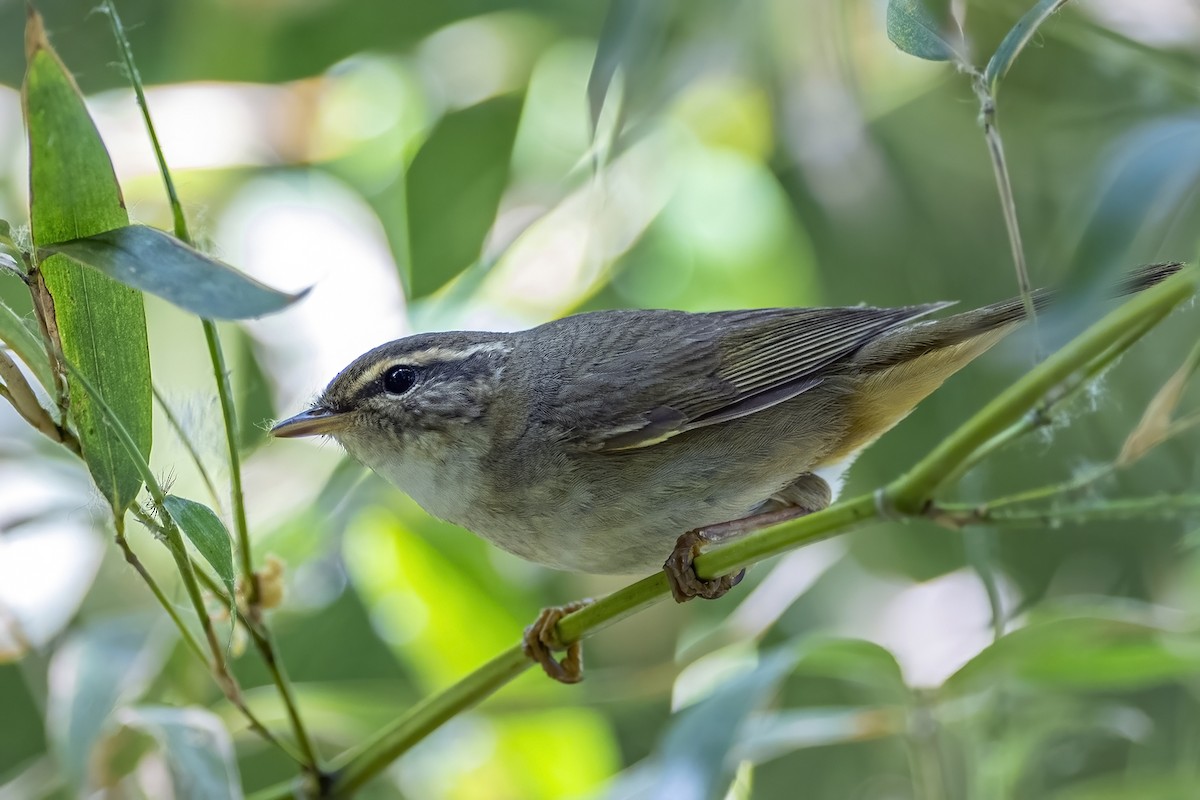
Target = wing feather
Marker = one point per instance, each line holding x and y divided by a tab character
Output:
717	366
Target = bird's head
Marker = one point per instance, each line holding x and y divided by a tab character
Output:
407	391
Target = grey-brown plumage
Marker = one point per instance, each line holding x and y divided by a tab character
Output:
591	443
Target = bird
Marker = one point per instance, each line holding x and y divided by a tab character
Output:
624	441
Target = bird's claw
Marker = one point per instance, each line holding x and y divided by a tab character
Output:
541	640
681	571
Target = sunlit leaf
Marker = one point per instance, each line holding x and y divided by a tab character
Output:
1103	649
207	533
1016	39
101	323
920	28
454	187
196	746
438	618
855	660
18	334
91	673
158	263
630	41
695	755
580	755
772	735
1152	173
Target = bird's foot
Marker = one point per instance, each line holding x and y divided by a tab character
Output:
681	571
541	640
680	565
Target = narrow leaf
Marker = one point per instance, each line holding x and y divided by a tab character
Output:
17	334
207	533
156	262
696	750
454	188
92	672
1154	428
1016	39
917	29
1107	648
196	746
101	324
1151	173
630	41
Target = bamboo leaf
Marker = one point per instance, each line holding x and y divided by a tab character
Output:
101	324
1155	426
16	333
696	750
156	262
920	30
207	533
631	41
1111	647
1016	39
454	187
197	749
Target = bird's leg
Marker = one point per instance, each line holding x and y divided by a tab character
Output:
541	640
680	567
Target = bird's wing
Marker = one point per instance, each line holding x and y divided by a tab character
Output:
712	368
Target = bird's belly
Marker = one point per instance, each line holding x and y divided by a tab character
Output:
572	532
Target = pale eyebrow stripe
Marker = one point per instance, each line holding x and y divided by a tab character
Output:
422	358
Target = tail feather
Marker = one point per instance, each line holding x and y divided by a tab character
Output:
902	367
920	338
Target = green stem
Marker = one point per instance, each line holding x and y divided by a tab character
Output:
229	415
1008	205
178	550
1163	507
911	491
225	395
265	643
185	632
1040	416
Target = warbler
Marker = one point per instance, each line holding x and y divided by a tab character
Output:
609	441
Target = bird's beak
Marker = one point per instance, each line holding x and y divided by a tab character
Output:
314	422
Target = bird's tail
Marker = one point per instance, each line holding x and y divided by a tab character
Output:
902	367
985	325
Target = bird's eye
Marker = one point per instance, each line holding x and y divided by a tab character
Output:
399	379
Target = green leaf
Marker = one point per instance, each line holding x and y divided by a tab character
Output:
101	324
90	674
207	533
17	334
198	750
1108	648
1141	195
454	187
696	749
631	40
156	262
919	30
1016	39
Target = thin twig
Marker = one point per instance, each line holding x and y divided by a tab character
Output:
264	642
175	545
131	558
224	391
1008	205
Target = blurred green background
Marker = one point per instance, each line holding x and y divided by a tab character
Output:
433	166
